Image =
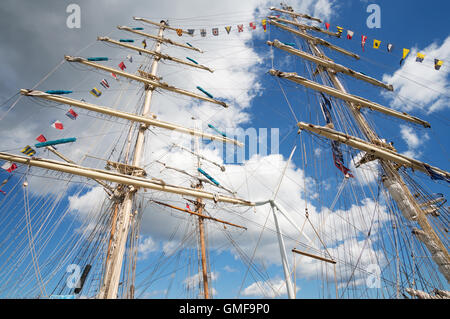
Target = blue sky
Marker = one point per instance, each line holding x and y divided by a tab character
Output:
257	102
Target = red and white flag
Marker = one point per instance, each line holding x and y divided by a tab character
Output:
363	41
350	34
58	125
9	166
252	25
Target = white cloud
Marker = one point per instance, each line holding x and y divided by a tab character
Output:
340	230
365	174
235	79
146	246
85	203
323	8
419	85
413	141
229	269
271	288
170	247
409	136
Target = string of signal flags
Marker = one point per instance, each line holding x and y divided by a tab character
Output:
420	57
350	35
58	125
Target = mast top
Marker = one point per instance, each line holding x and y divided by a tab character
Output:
313	39
158	38
292	13
305	26
162	24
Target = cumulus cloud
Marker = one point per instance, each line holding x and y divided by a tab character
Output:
146	246
413	141
366	173
271	288
86	202
228	268
333	226
237	81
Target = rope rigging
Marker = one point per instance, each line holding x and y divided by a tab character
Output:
351	219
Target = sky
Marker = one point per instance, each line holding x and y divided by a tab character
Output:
35	39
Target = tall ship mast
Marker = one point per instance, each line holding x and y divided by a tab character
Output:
382	235
123	179
412	203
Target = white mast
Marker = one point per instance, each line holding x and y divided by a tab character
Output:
284	260
113	265
130	178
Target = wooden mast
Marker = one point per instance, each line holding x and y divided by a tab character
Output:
440	254
201	228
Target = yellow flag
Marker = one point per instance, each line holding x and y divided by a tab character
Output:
405	54
376	44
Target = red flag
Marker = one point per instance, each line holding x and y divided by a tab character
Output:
13	167
363	41
9	166
342	168
122	66
187	207
41	138
114	76
327	25
252	26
